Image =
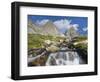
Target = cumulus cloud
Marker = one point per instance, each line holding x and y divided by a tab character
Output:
65	24
75	26
85	29
62	24
42	22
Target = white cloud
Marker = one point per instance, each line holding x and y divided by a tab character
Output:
63	23
85	29
76	26
42	22
60	24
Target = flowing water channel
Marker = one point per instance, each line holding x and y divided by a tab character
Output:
64	58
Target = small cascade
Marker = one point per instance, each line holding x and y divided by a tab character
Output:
63	58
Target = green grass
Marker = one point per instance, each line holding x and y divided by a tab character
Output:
37	40
80	38
81	46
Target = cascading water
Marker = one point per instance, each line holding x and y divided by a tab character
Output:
64	58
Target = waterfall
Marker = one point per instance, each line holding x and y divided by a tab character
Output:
63	58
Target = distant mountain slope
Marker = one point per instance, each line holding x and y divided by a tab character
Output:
32	28
48	29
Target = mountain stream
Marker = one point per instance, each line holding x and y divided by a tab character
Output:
64	58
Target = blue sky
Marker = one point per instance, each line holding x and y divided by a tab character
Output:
62	22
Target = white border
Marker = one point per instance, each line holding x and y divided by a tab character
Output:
25	70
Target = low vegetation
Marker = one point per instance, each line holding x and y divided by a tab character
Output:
81	45
37	40
80	38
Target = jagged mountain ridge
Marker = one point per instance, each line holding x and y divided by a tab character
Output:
47	29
